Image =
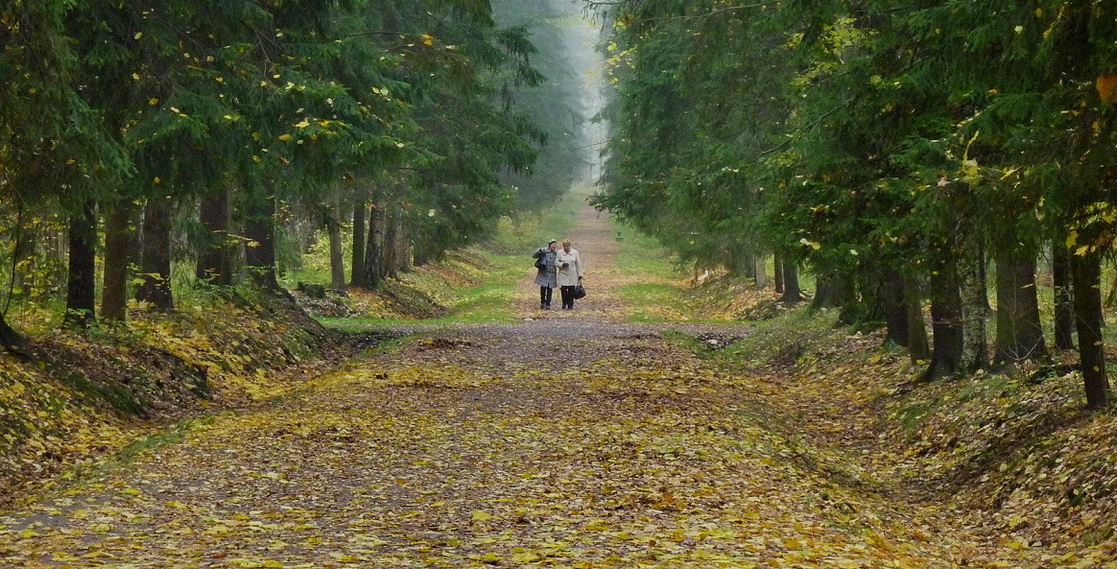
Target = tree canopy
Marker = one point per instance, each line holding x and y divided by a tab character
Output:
122	118
865	139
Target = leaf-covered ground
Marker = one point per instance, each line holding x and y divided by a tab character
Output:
96	393
572	443
570	440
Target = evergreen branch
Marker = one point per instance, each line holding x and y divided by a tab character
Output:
593	144
709	14
374	33
814	124
712	13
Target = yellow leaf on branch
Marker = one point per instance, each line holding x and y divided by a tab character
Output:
1107	88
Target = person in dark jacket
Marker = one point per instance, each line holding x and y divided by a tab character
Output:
546	279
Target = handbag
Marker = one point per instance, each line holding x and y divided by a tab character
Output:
579	292
540	264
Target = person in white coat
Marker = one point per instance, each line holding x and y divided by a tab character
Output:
569	265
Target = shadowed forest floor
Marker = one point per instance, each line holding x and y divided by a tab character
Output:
570	440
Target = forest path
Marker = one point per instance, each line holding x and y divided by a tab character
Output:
596	241
573	441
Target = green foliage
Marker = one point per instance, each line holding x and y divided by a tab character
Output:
862	140
858	120
117	104
52	142
687	138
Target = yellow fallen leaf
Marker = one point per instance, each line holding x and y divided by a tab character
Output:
525	557
597	525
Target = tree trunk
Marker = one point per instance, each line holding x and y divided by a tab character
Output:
919	348
777	263
984	275
404	255
946	323
13	341
836	291
82	283
744	265
761	271
1064	307
1086	279
394	246
791	291
215	259
120	241
358	275
259	227
155	260
337	262
388	248
975	303
424	254
382	220
372	246
895	312
831	291
1019	332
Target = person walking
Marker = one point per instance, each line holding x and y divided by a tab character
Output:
546	279
569	273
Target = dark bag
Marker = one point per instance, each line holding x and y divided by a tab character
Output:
541	262
579	292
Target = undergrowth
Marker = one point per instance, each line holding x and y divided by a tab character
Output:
1017	456
88	395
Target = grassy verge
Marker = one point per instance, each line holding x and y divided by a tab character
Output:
659	293
476	284
664	291
470	286
641	255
